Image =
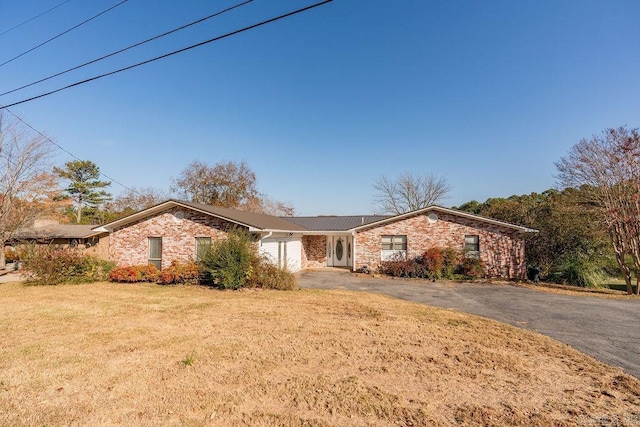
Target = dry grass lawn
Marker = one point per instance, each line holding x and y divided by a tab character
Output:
116	354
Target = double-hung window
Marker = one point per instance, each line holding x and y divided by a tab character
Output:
393	246
472	245
155	252
202	245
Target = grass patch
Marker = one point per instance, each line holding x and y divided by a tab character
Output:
189	359
105	353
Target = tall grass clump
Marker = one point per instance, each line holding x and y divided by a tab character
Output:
578	271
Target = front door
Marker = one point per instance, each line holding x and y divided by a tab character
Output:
338	251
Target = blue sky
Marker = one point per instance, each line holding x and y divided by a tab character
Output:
488	94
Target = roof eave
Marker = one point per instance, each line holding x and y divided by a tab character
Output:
448	211
159	208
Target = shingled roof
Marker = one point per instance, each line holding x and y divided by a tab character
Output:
56	231
243	218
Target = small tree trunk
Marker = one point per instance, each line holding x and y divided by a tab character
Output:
3	261
625	271
79	212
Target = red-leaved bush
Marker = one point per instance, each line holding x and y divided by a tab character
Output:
433	260
135	273
180	273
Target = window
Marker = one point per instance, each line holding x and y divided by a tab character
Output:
202	244
155	252
393	247
394	243
472	243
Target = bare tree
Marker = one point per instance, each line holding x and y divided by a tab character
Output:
230	185
608	166
27	188
409	192
132	201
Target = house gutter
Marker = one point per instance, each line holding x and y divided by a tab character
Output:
269	234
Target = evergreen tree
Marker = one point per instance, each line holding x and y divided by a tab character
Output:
84	185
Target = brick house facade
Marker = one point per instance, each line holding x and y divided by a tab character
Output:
178	229
300	243
500	248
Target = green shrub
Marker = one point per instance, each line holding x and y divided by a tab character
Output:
52	265
135	273
451	259
578	271
229	263
471	267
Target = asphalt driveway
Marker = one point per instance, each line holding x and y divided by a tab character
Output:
607	329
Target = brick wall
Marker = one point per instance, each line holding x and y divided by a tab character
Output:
128	245
314	252
501	248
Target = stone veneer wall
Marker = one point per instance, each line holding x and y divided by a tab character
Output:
314	253
501	248
128	245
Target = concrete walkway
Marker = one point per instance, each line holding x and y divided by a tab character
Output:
607	329
7	276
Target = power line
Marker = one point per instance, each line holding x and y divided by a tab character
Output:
35	17
64	32
268	21
65	150
130	47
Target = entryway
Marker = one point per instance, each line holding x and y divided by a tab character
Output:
339	251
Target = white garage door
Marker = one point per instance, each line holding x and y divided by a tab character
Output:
283	252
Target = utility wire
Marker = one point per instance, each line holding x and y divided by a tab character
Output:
64	149
63	33
130	47
35	17
268	21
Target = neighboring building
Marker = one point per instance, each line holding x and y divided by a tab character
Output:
51	232
174	230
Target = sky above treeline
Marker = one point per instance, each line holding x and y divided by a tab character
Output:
321	104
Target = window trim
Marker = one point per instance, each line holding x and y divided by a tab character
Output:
396	239
200	246
154	261
395	247
473	247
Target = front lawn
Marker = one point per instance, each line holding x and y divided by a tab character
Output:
144	354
